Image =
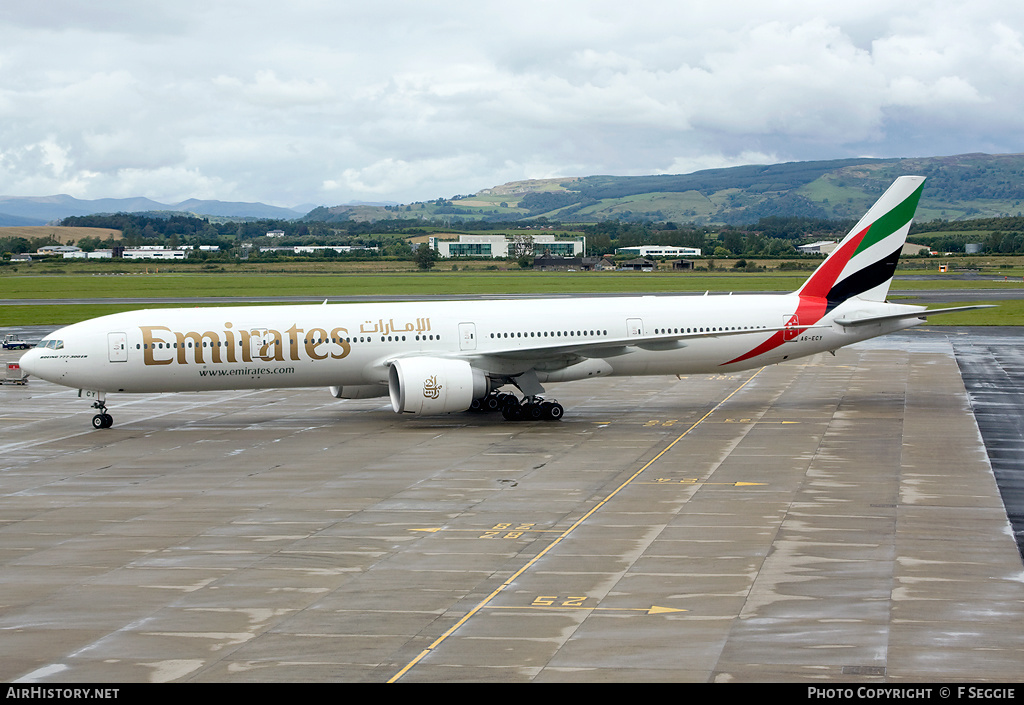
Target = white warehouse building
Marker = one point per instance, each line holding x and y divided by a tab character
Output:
508	246
152	253
659	251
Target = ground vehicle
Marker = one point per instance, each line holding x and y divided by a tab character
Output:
13	342
15	375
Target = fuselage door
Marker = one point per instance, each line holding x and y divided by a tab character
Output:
259	342
117	347
634	327
467	336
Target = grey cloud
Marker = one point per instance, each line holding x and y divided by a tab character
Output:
325	102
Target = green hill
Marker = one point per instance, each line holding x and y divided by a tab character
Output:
959	187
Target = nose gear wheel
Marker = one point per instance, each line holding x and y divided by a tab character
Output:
102	419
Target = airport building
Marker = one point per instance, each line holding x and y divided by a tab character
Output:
57	250
825	247
314	249
153	253
95	254
144	252
822	247
509	246
659	251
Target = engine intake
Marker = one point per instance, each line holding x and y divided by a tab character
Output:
432	385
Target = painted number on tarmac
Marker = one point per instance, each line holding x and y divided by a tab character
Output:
507	531
557	601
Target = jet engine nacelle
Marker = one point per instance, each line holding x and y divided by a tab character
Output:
359	391
433	385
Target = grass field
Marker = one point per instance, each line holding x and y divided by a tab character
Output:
1008	313
316	283
59	233
398	283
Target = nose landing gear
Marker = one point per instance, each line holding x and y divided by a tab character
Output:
102	419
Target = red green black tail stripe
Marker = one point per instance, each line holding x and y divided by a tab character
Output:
827	288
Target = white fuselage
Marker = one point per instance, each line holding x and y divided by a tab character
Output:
171	350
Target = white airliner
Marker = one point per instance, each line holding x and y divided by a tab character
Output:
451	356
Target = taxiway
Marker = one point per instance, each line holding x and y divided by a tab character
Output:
832	519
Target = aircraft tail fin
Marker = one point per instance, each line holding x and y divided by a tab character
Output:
865	261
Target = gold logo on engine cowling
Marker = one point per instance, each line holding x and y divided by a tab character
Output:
431	389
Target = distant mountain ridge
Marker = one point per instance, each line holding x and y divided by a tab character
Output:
959	187
40	210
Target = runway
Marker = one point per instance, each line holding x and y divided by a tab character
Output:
835	519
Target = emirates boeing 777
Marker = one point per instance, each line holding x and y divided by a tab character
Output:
452	356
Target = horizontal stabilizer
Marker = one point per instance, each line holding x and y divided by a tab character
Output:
922	314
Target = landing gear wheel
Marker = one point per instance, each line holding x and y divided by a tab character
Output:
553	411
102	419
512	411
531	409
533	412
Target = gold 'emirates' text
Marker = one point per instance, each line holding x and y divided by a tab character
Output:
162	346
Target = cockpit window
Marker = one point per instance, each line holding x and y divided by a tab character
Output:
52	344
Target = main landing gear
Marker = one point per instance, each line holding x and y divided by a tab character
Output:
532	409
512	409
102	419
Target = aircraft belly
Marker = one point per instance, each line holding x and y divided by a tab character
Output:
713	355
260	374
696	358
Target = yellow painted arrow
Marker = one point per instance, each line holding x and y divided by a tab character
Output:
666	481
654	609
489	530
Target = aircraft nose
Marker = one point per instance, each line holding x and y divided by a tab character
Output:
29	362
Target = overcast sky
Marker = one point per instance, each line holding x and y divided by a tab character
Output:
328	101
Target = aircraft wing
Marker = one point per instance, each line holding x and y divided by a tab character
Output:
613	347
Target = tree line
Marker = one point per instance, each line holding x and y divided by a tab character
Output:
1003	235
774	235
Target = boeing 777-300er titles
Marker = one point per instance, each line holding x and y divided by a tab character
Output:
448	356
